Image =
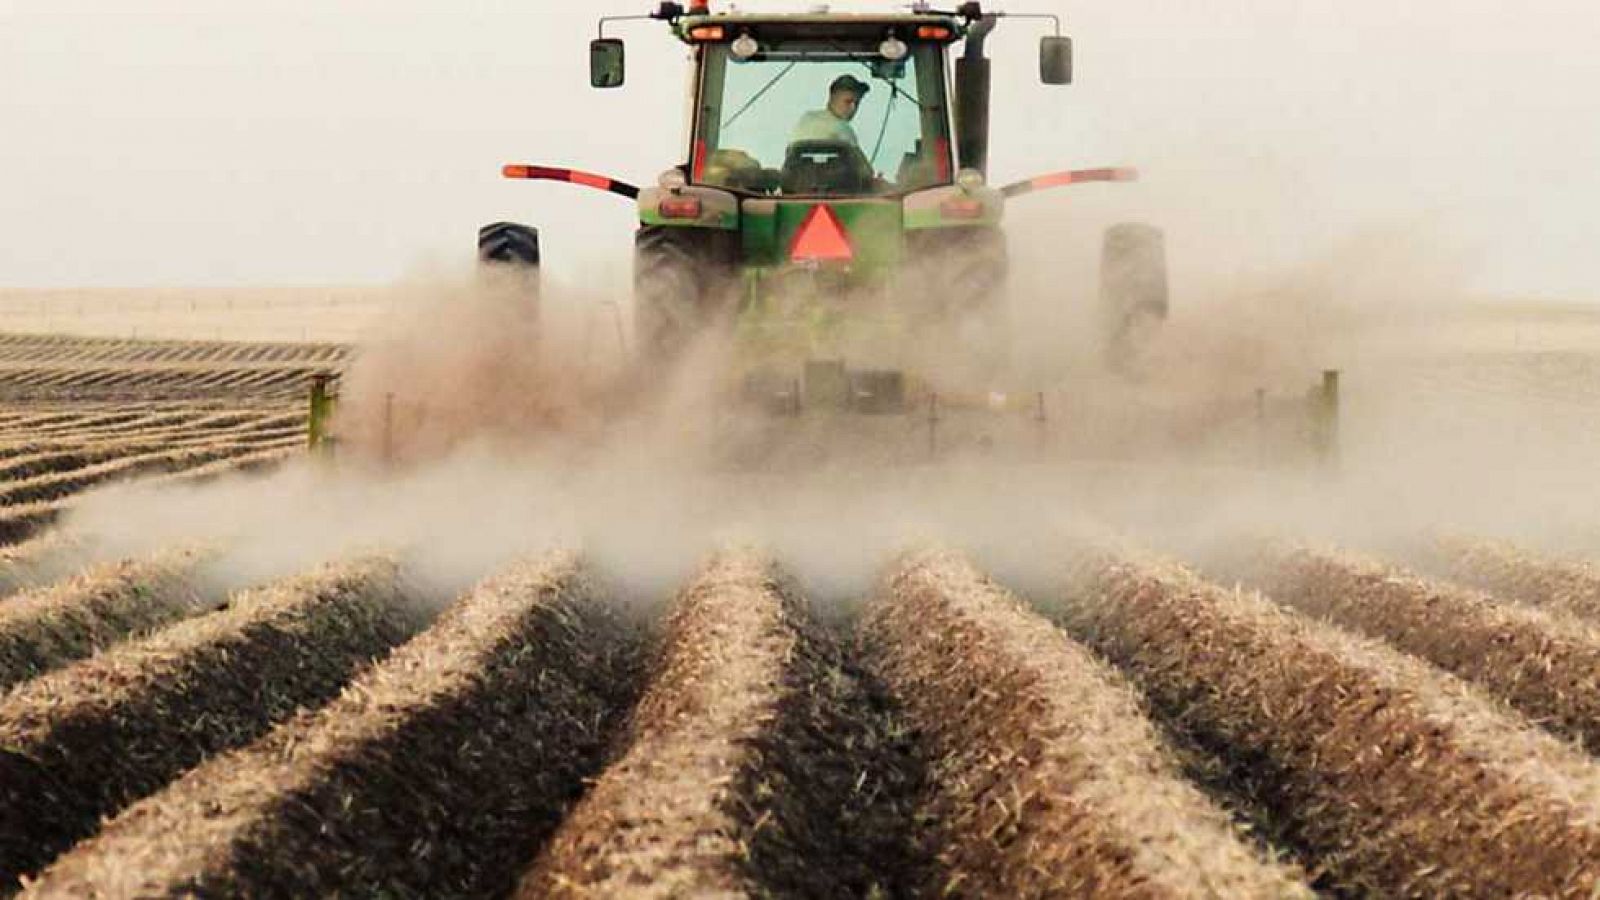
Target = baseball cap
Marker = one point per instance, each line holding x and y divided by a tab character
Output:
849	83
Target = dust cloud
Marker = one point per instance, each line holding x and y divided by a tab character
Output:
516	425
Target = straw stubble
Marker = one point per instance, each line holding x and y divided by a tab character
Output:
1545	664
432	775
748	771
1045	777
1398	779
47	627
1560	585
83	742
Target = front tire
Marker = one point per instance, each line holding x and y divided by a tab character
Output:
958	279
510	244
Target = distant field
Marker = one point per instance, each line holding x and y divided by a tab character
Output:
78	413
301	314
1520	326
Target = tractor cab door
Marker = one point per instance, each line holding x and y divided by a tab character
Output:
821	118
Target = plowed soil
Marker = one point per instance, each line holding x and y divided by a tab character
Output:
746	772
83	742
1544	663
1398	778
1137	731
428	777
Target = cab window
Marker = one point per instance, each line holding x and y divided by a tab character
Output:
783	122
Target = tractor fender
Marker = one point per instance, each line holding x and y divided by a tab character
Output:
718	209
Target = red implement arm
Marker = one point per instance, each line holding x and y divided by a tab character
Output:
572	176
1062	179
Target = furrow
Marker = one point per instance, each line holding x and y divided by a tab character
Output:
1397	779
1545	664
745	772
1046	777
265	458
432	775
85	741
48	627
158	423
145	423
1502	568
45	421
18	523
93	453
39	563
57	485
51	462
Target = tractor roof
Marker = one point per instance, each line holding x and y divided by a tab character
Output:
827	25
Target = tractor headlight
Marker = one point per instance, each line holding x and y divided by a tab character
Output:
744	46
893	49
969	180
672	180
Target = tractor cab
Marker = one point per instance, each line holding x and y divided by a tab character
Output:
794	107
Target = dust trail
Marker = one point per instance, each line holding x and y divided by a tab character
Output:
517	431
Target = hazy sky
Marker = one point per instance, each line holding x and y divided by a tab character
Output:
308	141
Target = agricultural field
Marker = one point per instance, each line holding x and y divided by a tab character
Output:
77	413
1138	718
42	368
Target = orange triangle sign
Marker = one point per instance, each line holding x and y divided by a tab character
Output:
821	238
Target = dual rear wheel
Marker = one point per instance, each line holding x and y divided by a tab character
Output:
968	269
683	280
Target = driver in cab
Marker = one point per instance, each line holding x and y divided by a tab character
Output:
832	123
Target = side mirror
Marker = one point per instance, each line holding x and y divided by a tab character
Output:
1055	60
606	68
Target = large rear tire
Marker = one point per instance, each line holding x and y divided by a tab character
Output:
1133	289
958	278
681	279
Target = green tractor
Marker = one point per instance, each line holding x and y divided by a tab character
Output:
832	232
832	214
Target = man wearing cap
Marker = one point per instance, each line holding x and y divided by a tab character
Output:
832	123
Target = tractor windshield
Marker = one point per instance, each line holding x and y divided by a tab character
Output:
809	118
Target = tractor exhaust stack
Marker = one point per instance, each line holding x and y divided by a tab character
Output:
972	98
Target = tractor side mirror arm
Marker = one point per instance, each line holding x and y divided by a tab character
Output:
607	56
1055	50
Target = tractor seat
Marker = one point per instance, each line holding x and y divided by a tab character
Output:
737	170
830	168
